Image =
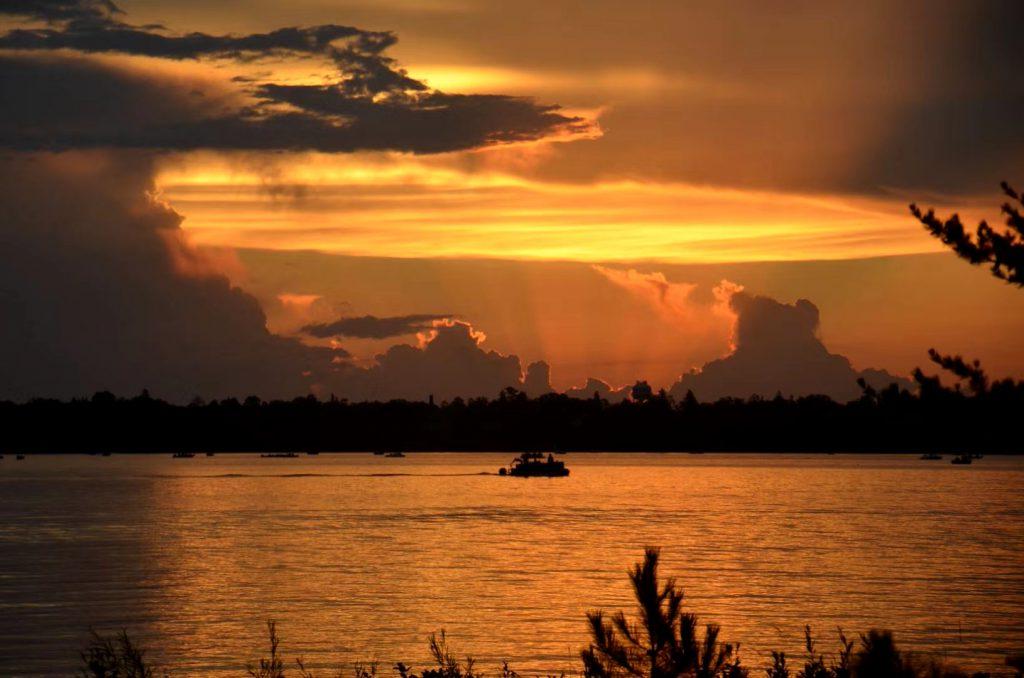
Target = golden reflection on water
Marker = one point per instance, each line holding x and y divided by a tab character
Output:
358	564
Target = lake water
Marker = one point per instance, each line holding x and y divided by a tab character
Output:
360	557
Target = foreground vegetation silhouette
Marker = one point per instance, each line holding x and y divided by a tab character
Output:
114	656
662	641
1002	251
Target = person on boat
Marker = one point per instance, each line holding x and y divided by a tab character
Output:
551	458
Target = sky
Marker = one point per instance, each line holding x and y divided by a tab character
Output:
393	198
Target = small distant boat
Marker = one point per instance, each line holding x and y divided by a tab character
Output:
183	455
312	454
20	457
105	454
394	455
977	456
280	455
379	453
962	459
209	454
534	465
931	456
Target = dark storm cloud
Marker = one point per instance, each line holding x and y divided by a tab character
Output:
93	26
450	365
961	129
601	389
778	350
362	57
57	102
373	104
100	291
537	381
372	327
432	121
53	11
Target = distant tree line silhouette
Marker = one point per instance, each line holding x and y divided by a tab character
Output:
662	640
983	417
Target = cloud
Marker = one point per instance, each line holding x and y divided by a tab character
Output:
601	389
81	11
449	364
94	26
433	121
361	56
960	131
679	302
372	327
537	381
696	322
96	294
766	346
777	349
372	104
58	102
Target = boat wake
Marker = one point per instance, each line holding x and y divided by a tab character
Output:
321	475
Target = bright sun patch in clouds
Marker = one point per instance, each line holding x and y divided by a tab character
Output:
402	206
629	82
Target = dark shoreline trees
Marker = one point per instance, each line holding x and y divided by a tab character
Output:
976	414
889	420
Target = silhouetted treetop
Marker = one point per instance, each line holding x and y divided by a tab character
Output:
972	373
664	641
1003	251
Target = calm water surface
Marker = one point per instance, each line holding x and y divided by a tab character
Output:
360	557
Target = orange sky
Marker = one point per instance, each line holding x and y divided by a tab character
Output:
722	139
400	206
771	148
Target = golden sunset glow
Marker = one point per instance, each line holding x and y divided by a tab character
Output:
404	207
373	338
379	338
585	189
